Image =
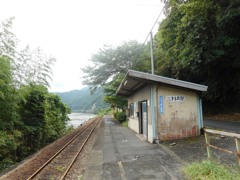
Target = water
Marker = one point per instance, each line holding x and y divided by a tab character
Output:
76	119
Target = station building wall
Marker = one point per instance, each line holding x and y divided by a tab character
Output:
174	119
179	114
141	95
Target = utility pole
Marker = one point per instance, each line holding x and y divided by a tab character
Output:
151	47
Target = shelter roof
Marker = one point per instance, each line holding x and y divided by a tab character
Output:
134	80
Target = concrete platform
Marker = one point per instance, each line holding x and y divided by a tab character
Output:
119	154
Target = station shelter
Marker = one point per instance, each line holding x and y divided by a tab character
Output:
162	108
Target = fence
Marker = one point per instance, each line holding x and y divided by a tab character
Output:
223	133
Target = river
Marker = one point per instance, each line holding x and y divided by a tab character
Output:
76	119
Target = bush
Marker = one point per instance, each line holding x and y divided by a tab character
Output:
6	163
102	112
120	116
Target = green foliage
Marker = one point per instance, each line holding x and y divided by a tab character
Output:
5	163
115	102
7	95
110	62
8	146
44	117
110	65
120	116
27	66
9	136
102	112
32	67
209	170
30	116
198	42
56	117
8	40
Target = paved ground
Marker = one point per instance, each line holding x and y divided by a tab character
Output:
119	154
194	149
233	126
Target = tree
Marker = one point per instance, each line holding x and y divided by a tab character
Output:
33	67
110	62
30	117
9	137
27	66
198	42
116	102
56	118
32	112
8	96
110	66
44	117
8	40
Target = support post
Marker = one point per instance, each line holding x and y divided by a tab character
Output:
152	112
237	141
207	144
151	47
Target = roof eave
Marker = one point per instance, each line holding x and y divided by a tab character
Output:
150	78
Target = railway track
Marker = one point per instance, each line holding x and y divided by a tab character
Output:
59	164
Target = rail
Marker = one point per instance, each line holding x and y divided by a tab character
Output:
223	133
56	154
80	149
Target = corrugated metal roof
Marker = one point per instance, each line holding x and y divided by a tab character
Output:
134	80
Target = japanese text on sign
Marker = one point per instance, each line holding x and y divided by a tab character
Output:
175	98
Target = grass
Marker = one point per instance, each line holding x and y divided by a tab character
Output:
80	177
60	168
125	123
210	170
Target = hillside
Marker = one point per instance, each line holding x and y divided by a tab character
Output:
82	101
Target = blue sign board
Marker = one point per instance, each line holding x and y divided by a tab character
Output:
161	104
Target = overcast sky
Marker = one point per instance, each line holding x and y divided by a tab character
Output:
73	30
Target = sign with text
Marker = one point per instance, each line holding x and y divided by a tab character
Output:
175	98
161	104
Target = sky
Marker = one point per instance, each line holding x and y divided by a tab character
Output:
73	30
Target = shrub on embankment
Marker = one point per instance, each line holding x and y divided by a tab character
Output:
30	116
36	118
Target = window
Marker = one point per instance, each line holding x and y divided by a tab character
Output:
131	114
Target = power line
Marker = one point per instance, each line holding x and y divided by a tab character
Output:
155	23
150	33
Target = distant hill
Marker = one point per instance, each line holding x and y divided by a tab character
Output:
82	101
